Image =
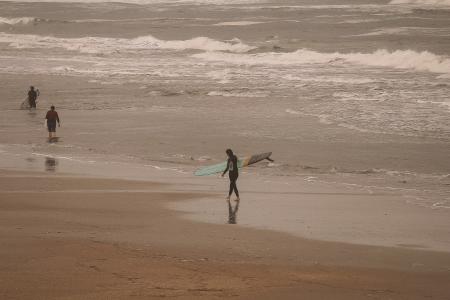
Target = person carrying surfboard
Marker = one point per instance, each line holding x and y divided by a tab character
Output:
52	117
32	97
233	173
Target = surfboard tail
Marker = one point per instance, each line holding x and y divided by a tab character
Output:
256	158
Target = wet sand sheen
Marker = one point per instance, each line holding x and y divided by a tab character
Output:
118	245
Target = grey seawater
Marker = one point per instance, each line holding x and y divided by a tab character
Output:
354	92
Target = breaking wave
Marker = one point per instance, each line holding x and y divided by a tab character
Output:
400	59
422	2
150	1
237	23
18	21
408	31
110	45
240	94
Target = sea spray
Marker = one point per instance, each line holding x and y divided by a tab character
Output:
110	45
400	59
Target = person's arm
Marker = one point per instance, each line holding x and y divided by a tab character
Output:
226	169
57	119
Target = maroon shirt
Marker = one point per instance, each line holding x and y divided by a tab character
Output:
52	116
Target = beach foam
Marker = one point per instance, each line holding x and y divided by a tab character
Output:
150	1
399	59
330	79
422	2
237	23
243	94
109	45
408	31
21	21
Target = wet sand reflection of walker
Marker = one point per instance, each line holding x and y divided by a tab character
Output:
232	212
50	164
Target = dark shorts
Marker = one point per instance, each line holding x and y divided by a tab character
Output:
51	125
32	103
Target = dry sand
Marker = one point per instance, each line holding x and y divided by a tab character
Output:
83	238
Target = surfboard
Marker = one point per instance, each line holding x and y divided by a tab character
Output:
242	162
25	104
53	139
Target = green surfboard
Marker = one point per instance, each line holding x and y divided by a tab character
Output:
242	162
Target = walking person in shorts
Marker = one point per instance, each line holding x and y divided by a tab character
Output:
52	117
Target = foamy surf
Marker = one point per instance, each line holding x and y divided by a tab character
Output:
399	59
407	31
240	94
422	2
237	23
144	2
20	21
110	45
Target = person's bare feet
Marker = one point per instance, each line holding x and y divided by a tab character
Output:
237	199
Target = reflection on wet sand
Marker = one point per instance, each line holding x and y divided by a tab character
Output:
232	212
50	164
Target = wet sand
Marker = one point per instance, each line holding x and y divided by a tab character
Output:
66	237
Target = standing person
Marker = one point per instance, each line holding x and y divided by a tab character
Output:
232	167
32	97
52	117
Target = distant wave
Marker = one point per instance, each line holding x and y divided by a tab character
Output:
22	21
243	94
237	23
422	2
149	1
401	59
109	45
330	79
408	31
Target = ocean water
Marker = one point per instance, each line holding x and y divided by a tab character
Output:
351	92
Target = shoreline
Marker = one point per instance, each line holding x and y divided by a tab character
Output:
93	243
304	208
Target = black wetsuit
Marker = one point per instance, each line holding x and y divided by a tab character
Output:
32	96
232	167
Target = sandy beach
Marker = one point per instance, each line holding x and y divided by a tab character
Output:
114	239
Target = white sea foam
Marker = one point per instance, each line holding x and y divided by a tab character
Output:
330	79
237	23
150	1
110	45
444	104
422	2
408	31
401	59
358	21
243	94
15	21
